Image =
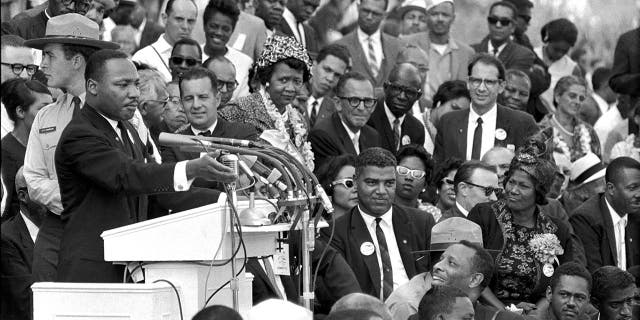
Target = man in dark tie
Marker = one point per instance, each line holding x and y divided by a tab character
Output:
103	173
391	119
468	134
377	238
329	66
293	23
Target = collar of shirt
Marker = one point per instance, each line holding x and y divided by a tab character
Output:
370	220
392	117
500	48
615	217
210	129
365	37
377	44
488	116
162	45
310	104
31	227
461	209
291	21
349	132
140	30
66	100
46	13
114	125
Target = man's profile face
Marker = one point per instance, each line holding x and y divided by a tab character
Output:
200	102
475	194
180	21
12	55
625	191
569	297
484	85
326	74
454	267
117	89
516	93
370	15
376	189
355	118
522	20
183	58
619	305
440	18
56	67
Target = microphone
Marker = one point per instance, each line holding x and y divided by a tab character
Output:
233	142
262	172
231	161
178	140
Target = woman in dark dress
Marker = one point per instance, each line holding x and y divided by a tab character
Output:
508	226
22	99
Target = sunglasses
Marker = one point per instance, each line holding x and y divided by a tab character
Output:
229	85
18	67
505	22
396	89
191	62
346	182
487	190
416	174
489	83
354	102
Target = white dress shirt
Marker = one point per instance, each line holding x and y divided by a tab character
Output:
278	279
156	55
354	137
310	104
488	129
490	49
242	63
392	117
619	224
377	45
31	227
7	124
386	224
296	28
602	104
462	210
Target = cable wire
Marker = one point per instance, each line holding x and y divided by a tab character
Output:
177	294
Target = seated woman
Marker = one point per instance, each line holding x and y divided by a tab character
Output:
572	136
443	180
22	100
413	174
282	69
508	226
337	178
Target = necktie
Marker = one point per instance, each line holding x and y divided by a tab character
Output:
495	51
272	276
124	136
396	133
477	141
387	272
314	113
302	39
76	102
356	143
206	133
373	62
621	245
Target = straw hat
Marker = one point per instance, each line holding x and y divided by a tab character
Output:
72	28
587	169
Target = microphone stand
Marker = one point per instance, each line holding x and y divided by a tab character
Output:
231	160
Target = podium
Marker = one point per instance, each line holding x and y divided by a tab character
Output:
180	248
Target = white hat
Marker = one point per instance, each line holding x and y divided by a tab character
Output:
587	169
409	5
437	2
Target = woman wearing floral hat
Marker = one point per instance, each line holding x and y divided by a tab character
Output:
530	244
282	69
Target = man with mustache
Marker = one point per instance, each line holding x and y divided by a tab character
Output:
568	293
377	238
179	19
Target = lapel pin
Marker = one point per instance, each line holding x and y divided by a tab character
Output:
367	248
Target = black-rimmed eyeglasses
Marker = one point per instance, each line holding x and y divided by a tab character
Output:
354	102
17	68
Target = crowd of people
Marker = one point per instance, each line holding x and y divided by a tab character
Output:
493	180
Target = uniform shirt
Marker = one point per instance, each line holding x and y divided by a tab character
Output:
488	130
386	224
157	56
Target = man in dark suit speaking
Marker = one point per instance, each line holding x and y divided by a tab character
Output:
103	173
470	133
377	238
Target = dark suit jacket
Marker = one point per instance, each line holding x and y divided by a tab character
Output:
413	232
150	34
593	225
326	109
411	128
15	269
101	187
513	56
625	74
29	24
452	212
262	287
391	47
329	138
310	36
451	140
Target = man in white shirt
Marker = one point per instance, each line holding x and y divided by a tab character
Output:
602	93
293	23
179	20
376	237
475	182
329	66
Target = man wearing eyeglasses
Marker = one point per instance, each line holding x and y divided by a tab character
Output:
32	23
475	182
185	55
17	61
225	71
396	126
346	131
470	133
501	20
613	293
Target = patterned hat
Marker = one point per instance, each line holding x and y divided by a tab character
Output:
542	170
277	48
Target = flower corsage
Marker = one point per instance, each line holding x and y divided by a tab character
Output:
546	249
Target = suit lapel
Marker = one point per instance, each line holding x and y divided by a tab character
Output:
25	238
360	236
402	230
502	123
103	125
460	137
608	228
343	135
383	123
506	53
260	273
360	56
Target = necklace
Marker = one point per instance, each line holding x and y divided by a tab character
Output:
567	132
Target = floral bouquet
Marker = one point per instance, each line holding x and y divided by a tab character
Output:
546	249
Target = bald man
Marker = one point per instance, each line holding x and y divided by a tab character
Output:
500	158
225	71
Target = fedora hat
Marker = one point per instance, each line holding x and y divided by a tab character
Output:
587	169
72	28
451	231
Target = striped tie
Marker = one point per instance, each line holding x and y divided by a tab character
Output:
373	63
